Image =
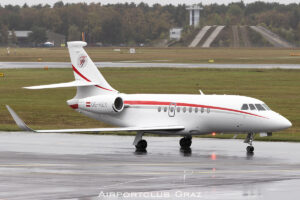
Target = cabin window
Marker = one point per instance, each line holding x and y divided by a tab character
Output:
196	110
259	107
252	107
171	109
184	109
159	109
190	109
178	109
202	110
266	107
165	109
245	107
208	110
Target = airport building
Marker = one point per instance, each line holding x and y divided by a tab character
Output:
175	33
23	37
194	15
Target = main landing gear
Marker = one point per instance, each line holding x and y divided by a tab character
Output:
186	142
141	146
139	143
249	140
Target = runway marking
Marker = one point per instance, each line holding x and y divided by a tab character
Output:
34	165
192	172
133	181
107	164
117	164
154	164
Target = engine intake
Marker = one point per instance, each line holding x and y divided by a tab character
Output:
118	105
102	104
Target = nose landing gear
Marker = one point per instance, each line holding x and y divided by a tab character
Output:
249	140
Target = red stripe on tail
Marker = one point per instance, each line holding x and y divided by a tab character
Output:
85	78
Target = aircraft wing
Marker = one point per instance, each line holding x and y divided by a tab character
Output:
24	127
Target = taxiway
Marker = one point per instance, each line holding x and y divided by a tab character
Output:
79	166
21	65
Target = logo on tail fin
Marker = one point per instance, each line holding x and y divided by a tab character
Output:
82	61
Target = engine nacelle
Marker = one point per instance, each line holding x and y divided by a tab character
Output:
102	104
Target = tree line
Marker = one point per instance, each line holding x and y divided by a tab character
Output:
131	23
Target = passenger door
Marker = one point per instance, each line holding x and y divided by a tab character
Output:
172	108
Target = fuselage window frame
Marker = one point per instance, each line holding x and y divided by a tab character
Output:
266	107
245	107
252	107
259	107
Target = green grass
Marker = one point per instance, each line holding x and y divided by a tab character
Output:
177	55
47	109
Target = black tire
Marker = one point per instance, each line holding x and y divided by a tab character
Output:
185	142
141	145
250	149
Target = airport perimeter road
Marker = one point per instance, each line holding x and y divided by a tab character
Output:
74	166
24	65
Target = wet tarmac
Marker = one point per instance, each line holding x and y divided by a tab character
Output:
74	166
14	65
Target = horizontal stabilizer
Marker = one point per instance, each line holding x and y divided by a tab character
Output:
24	127
61	85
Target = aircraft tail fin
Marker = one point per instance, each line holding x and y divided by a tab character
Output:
85	70
88	79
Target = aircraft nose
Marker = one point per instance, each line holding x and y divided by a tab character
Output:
283	122
288	124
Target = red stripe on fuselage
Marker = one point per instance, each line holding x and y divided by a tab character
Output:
77	72
188	105
74	106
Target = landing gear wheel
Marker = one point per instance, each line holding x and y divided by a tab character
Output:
141	145
249	140
185	142
250	149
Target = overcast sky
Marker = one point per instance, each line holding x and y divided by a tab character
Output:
175	2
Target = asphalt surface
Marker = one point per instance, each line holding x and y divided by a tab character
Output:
14	65
74	166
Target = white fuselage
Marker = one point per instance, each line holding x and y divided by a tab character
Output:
199	114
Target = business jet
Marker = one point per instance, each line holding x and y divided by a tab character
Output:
170	114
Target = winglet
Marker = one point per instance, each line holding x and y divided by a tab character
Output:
18	120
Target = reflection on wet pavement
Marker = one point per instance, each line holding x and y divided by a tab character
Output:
74	166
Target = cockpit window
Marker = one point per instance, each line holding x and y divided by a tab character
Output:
245	107
259	107
252	107
266	107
